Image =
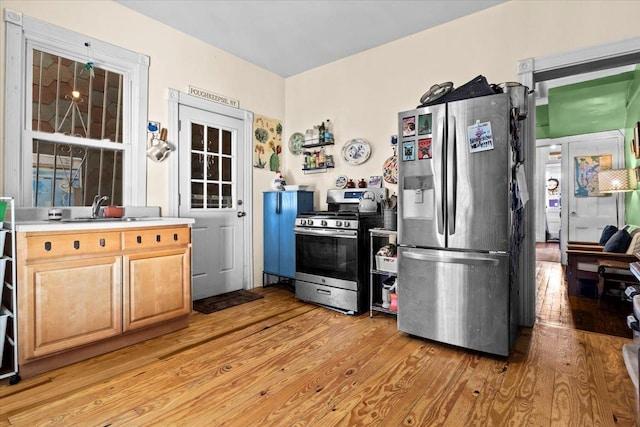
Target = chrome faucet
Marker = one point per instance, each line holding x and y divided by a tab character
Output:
95	206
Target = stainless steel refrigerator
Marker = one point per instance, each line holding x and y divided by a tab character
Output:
459	221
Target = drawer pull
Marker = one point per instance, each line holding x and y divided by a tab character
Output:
139	239
175	236
158	238
47	246
323	292
102	243
76	244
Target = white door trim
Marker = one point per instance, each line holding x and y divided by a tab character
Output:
177	98
537	69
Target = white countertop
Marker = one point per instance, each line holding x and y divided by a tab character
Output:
46	225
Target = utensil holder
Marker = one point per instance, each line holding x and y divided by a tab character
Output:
389	219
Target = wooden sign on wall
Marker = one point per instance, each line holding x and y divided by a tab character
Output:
220	99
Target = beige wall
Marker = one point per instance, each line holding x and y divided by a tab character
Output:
361	94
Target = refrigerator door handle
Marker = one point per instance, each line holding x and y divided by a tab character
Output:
452	174
439	174
450	259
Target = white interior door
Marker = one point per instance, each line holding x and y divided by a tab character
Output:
211	191
587	213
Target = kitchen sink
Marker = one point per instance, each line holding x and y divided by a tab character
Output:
91	219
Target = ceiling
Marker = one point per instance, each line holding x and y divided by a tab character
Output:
288	37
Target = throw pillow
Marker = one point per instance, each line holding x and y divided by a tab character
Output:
607	232
619	242
634	246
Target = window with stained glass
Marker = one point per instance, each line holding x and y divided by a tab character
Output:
82	106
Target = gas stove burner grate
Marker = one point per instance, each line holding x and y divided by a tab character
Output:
336	214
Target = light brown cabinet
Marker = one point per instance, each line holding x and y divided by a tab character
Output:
84	294
71	303
157	287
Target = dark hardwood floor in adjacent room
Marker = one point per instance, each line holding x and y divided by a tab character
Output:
279	362
556	307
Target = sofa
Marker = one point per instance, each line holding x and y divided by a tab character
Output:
607	259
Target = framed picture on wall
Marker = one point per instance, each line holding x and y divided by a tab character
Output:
636	140
375	181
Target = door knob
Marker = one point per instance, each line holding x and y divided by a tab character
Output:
573	213
241	214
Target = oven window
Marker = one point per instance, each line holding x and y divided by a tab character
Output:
326	256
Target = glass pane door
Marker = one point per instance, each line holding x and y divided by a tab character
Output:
212	167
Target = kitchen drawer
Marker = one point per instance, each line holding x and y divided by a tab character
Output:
343	299
61	245
155	238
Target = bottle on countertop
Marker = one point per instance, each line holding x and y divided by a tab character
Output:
328	132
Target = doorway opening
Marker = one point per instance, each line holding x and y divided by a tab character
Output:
543	69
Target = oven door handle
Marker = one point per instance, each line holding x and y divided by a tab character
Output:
348	234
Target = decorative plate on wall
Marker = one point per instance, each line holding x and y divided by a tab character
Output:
295	143
356	151
390	169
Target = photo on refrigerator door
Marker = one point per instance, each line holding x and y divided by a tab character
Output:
424	148
424	124
480	137
408	151
409	126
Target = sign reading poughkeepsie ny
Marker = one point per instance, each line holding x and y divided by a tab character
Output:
220	99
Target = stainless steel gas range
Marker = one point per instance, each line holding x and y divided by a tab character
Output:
332	252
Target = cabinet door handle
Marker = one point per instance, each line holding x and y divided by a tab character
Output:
47	246
76	244
175	236
158	238
139	239
102	243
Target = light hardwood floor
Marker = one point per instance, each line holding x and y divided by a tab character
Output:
276	361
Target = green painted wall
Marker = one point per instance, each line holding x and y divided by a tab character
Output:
632	199
593	106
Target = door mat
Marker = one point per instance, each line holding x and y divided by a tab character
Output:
222	301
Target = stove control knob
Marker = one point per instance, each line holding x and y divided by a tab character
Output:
303	221
347	224
323	223
310	222
338	223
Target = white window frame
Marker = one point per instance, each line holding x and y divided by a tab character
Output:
23	34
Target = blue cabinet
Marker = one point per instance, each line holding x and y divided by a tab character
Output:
280	211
